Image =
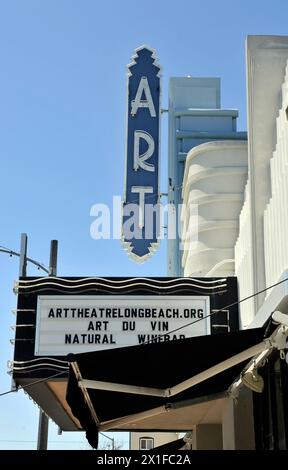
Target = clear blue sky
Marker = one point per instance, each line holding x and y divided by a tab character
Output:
62	133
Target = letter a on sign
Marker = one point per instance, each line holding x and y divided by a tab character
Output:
141	208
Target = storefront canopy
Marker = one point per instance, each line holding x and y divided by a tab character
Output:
158	386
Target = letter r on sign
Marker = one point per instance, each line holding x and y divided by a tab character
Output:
139	160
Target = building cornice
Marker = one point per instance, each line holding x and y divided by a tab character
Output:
211	147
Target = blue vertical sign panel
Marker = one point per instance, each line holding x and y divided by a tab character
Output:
141	209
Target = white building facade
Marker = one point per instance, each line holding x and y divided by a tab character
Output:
261	250
239	227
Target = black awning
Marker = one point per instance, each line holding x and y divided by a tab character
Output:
156	366
170	447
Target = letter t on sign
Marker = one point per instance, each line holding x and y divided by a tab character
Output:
142	191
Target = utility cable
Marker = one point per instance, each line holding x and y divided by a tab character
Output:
23	387
238	302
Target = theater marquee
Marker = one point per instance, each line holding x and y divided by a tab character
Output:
72	324
56	316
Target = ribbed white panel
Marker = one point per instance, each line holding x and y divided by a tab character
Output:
276	213
243	262
213	185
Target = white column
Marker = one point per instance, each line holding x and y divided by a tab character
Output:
238	422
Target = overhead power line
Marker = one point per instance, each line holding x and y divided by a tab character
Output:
23	387
226	307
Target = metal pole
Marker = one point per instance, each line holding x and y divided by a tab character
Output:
111	439
43	418
42	431
22	272
53	258
23	255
